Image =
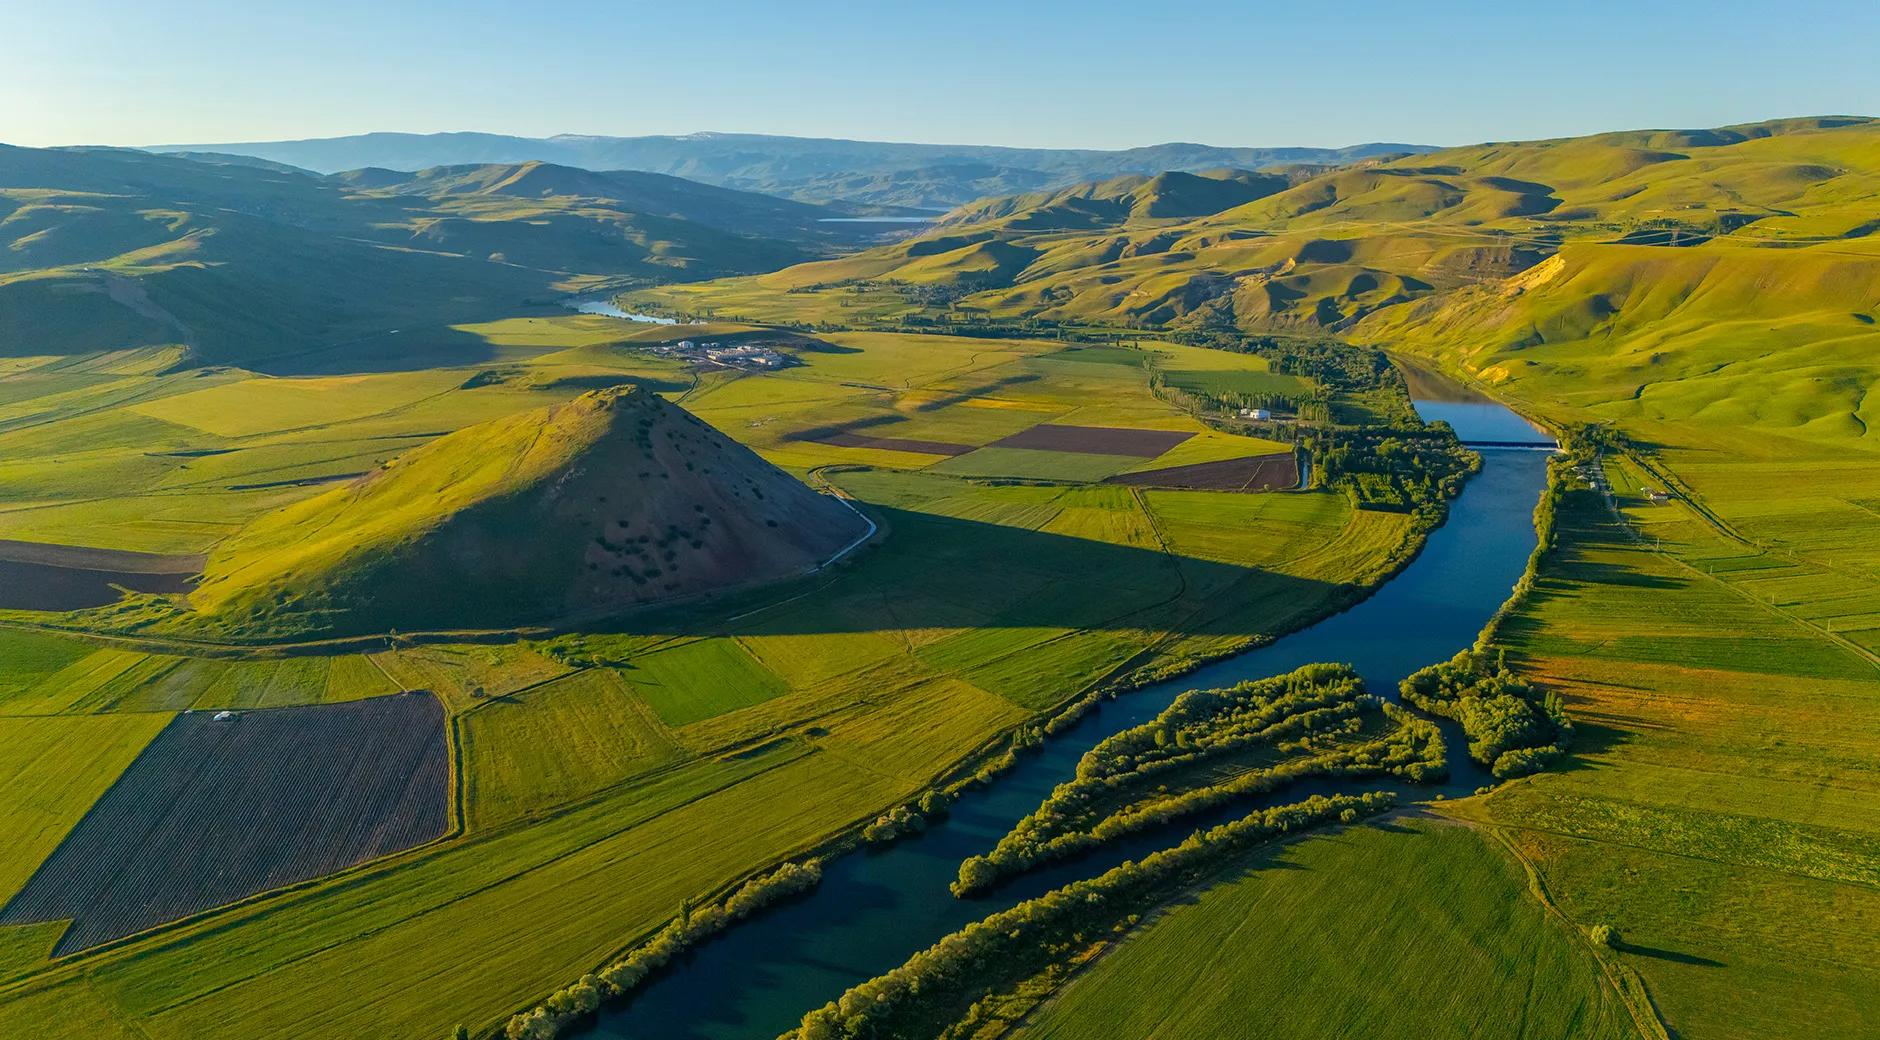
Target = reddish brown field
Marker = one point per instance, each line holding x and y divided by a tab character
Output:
1095	440
1260	473
216	810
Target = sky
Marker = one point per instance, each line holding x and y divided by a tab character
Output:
1090	73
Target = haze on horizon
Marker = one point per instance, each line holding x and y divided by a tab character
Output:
1102	74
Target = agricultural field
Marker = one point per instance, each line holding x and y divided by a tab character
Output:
1414	928
219	807
1727	771
619	750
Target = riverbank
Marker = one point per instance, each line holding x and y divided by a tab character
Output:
875	909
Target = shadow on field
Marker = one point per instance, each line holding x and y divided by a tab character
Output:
1667	955
1590	738
959	396
945	572
403	351
823	433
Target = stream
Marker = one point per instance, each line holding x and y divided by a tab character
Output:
876	907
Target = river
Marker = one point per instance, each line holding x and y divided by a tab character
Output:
875	908
605	307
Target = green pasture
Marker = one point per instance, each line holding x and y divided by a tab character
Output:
1410	928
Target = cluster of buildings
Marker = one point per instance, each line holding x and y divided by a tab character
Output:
729	356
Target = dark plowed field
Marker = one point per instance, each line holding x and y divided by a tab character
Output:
1095	440
1261	473
856	440
214	811
40	576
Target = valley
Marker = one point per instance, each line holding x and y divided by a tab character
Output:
703	613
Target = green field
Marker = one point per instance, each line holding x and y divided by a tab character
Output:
1416	928
53	769
641	746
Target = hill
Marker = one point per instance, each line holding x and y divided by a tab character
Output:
929	176
257	265
614	499
1317	250
646	194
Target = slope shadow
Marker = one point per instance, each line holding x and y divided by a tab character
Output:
946	572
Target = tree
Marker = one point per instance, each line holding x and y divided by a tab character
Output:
460	1033
1604	935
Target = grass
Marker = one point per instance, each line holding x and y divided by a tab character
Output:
701	679
1409	929
1728	753
556	743
53	769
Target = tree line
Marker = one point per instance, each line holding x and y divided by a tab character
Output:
573	1003
1316	721
939	984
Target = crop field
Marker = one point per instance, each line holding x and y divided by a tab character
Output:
442	823
217	809
53	769
1095	440
556	743
1727	787
1415	928
1260	473
38	576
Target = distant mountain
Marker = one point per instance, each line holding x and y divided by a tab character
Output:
810	169
613	499
649	194
255	263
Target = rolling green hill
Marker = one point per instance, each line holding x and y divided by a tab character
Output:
257	265
1317	253
616	498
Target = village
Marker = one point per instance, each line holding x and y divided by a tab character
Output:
746	356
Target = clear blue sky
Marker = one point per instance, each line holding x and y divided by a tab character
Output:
1090	73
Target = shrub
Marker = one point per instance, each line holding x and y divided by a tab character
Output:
1512	729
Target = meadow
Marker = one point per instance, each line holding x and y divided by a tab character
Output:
1717	649
1415	927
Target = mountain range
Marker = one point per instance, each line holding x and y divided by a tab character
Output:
924	176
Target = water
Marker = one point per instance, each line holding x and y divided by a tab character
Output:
605	307
878	220
1475	418
875	908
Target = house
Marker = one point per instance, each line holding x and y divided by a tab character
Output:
1655	496
1255	413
